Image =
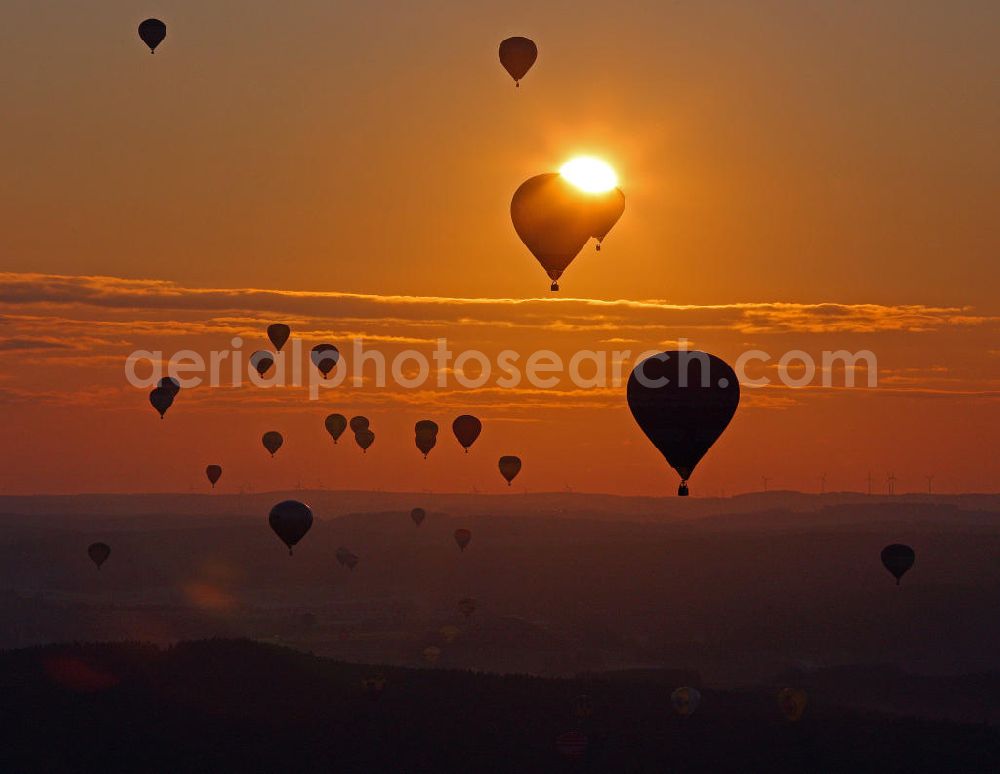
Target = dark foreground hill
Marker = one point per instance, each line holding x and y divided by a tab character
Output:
235	705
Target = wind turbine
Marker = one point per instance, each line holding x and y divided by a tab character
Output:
891	480
929	480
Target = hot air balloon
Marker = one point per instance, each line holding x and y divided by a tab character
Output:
418	515
272	441
792	702
685	700
364	439
898	558
170	384
98	553
517	55
278	333
467	606
290	521
348	559
509	468
358	424
325	357
466	429
335	425
450	632
152	32
161	398
214	473
572	744
583	706
550	216
261	360
607	210
426	436
431	654
683	401
462	537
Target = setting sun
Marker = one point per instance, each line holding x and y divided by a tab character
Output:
589	174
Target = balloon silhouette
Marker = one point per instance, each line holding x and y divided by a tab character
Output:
161	398
290	521
98	553
685	700
792	702
347	558
418	515
426	436
278	333
272	441
517	55
683	401
358	424
335	425
214	473
509	468
466	429
462	537
325	357
898	559
152	32
364	439
262	360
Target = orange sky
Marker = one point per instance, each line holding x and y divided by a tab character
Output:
799	176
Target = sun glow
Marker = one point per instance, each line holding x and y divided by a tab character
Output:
589	174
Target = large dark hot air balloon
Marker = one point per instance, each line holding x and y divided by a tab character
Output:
685	700
262	360
347	558
467	429
214	473
278	333
272	441
607	210
462	537
509	468
161	398
898	559
358	424
683	401
425	433
325	357
152	32
290	521
364	439
98	553
418	515
517	55
335	425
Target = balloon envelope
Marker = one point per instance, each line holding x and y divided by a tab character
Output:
683	401
509	468
214	473
98	553
466	429
278	333
335	425
170	384
272	441
685	700
364	439
290	521
261	360
462	537
898	559
517	55
325	357
418	515
358	424
161	398
152	32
